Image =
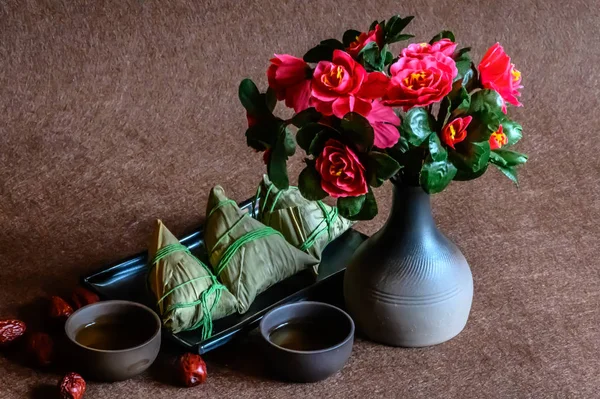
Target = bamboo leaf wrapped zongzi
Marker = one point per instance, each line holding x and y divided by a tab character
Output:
188	295
307	225
247	256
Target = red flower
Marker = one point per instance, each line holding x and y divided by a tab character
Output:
420	50
498	73
343	86
384	122
455	131
417	82
376	35
290	78
342	174
498	139
251	120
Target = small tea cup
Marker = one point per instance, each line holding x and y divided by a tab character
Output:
320	362
120	364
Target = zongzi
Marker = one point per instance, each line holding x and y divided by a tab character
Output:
247	256
188	295
307	225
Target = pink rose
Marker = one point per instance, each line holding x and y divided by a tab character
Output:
417	82
498	73
290	78
444	46
384	122
342	174
376	35
420	50
343	86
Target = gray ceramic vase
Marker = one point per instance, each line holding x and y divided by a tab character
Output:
408	285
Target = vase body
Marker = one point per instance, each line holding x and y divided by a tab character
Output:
408	285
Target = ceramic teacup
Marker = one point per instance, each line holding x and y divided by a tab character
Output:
103	353
307	341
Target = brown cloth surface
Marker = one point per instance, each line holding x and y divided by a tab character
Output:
115	113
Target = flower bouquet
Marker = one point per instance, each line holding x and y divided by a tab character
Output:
365	113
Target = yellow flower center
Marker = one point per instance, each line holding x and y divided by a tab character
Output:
334	77
423	44
335	170
515	74
452	132
416	80
500	138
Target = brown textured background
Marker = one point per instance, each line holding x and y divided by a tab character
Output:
115	113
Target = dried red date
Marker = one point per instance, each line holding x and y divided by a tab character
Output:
72	386
60	309
82	297
40	348
191	370
11	330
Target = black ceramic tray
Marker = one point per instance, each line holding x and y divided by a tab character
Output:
126	280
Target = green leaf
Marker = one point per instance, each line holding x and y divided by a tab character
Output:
463	67
398	150
350	206
511	158
270	99
307	134
387	56
464	101
479	156
312	137
471	156
486	100
445	34
350	36
512	130
250	97
333	43
380	167
436	175
358	131
486	109
309	115
436	150
318	143
323	51
467	174
277	167
463	63
369	209
497	159
309	184
469	78
288	143
372	57
263	134
374	24
399	38
417	126
394	27
445	110
509	172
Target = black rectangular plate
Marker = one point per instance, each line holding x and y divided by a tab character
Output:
126	280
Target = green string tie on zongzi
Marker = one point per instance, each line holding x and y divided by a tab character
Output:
240	242
206	321
328	220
